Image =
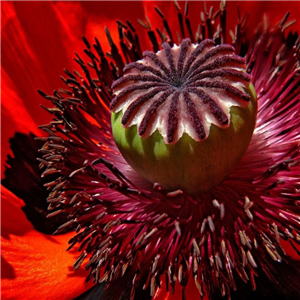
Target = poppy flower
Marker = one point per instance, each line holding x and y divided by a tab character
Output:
235	237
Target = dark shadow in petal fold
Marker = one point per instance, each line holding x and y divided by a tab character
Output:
118	290
23	178
7	270
287	286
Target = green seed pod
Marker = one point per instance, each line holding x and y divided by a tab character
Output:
189	129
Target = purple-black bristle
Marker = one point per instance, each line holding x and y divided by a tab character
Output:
140	100
137	78
214	51
214	107
152	109
157	62
226	87
169	55
197	123
128	90
183	50
141	67
222	73
172	118
199	49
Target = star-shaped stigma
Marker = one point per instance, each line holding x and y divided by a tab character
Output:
183	89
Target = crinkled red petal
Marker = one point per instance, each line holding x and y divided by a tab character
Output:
35	265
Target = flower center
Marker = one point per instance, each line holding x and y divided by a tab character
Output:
184	95
177	82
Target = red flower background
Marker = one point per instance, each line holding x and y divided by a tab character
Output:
38	41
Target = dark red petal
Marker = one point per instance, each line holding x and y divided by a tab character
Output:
119	290
13	220
256	10
14	115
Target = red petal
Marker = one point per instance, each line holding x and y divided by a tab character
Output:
14	113
13	221
35	265
274	10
